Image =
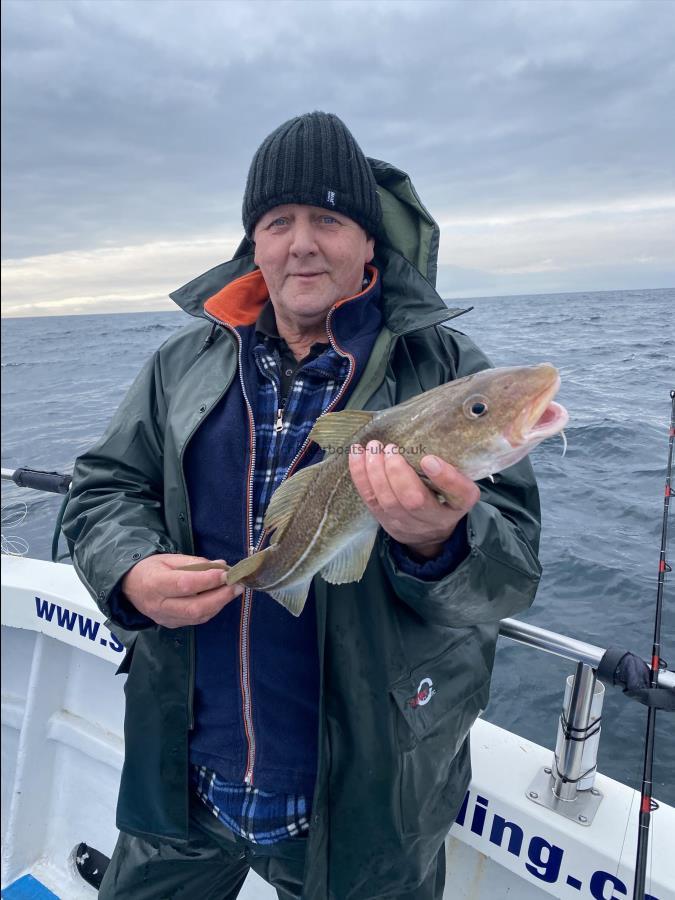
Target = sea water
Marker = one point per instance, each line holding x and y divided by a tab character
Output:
602	502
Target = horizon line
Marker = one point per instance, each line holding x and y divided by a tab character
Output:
446	300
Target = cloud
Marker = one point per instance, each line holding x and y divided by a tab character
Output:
563	211
109	279
126	123
567	238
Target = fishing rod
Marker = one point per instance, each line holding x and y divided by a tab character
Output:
646	793
53	482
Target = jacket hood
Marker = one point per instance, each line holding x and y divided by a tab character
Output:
408	227
406	255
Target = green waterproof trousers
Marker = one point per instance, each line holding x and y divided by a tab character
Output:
214	863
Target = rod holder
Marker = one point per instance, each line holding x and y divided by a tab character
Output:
567	786
576	751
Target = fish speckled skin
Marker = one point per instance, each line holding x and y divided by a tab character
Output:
480	424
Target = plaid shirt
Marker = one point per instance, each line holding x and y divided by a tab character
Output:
290	398
284	422
262	817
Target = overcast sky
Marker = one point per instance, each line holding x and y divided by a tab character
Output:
539	134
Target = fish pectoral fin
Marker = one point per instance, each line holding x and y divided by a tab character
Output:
293	597
350	563
442	498
337	429
286	499
247	566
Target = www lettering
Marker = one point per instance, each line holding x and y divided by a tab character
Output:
67	619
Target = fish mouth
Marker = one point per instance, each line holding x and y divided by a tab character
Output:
542	418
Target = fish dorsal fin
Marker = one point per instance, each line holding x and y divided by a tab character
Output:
286	499
337	429
350	563
292	597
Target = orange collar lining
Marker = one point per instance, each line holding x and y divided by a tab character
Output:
240	302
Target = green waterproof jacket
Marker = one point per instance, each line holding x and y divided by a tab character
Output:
391	773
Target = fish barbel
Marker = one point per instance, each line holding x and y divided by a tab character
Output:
480	424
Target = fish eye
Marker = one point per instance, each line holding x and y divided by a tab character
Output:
475	407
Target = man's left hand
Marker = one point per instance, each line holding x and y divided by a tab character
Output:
400	501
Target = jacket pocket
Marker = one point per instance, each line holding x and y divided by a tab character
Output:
433	690
438	703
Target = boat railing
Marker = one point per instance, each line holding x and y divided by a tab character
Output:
567	785
564	646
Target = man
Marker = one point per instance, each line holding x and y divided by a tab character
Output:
328	752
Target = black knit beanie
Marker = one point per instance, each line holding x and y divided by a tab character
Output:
312	159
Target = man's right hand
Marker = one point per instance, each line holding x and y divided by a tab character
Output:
172	598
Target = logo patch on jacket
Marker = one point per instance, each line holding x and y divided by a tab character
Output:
425	692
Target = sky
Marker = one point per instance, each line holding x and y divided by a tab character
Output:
540	135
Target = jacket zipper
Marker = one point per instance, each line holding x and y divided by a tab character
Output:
247	599
245	625
277	433
245	665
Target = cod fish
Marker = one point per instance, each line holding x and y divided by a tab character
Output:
480	424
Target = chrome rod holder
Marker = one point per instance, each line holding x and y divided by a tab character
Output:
567	787
575	757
